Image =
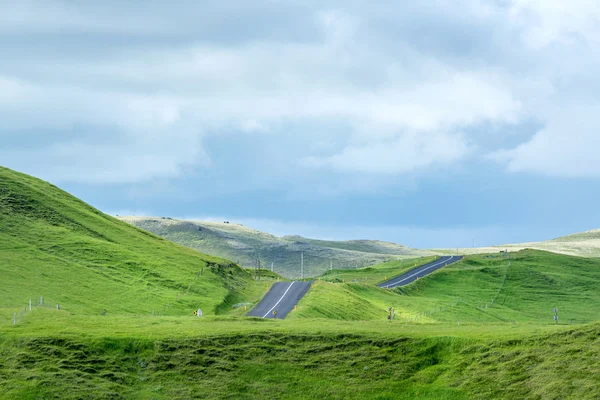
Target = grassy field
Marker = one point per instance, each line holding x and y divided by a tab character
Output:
244	245
54	354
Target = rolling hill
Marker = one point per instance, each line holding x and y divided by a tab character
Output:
56	249
584	244
245	245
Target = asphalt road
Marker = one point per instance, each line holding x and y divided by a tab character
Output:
419	272
282	297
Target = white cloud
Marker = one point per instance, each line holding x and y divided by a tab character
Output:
404	153
564	22
566	147
398	103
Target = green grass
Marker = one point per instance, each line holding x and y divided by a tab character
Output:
54	245
56	354
481	288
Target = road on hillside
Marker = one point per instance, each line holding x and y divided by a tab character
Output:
282	297
419	272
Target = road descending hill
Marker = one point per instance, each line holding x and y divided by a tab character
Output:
244	245
420	272
281	299
54	246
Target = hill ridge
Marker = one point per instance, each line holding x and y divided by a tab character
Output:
245	245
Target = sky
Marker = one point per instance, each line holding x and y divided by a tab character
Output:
434	123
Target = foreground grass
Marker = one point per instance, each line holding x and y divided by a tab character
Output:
54	354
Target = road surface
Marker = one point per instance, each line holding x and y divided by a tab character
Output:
282	297
419	272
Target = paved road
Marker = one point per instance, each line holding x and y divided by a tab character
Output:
419	272
282	297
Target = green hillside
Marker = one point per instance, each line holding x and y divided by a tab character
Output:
481	288
54	246
245	245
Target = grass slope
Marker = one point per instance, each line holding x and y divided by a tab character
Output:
244	245
54	245
481	288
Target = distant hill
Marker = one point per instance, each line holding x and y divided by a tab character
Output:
245	245
53	245
585	244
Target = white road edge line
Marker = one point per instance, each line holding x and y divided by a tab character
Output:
417	273
276	304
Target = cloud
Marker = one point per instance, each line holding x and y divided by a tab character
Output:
548	22
401	154
566	147
147	88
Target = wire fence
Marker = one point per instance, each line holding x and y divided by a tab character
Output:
17	315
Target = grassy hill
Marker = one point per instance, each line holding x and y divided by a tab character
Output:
244	245
54	246
585	244
481	288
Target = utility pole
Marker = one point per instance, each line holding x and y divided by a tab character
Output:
255	265
302	265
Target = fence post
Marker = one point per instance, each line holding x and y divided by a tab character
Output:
29	304
41	300
15	319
